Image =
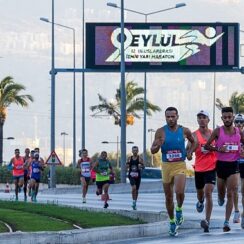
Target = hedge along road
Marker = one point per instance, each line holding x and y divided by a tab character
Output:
39	217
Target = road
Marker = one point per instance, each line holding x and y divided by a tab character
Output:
154	202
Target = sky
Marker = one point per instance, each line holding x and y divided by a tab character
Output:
25	51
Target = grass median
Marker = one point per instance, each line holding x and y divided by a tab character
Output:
46	217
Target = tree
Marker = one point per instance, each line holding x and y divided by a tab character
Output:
236	102
10	94
134	104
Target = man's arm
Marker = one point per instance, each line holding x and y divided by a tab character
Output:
141	163
242	137
10	165
158	141
192	142
95	167
212	137
188	146
128	163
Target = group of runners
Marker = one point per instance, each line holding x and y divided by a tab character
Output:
219	152
26	169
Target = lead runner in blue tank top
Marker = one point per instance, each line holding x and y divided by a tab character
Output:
171	140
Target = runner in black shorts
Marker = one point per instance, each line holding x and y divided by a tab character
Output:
134	165
227	147
204	167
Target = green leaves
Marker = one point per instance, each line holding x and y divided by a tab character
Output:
134	104
236	102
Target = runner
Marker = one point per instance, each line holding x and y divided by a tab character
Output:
134	165
84	164
227	139
102	168
239	122
204	167
32	158
27	160
36	167
17	164
37	150
171	140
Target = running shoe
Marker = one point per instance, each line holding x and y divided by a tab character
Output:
106	205
226	227
199	206
173	229
242	222
16	199
205	225
236	217
221	201
179	217
84	200
25	198
134	206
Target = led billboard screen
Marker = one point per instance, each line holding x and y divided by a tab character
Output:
164	46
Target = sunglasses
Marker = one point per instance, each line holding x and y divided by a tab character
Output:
239	121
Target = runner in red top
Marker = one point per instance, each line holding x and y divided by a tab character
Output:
205	175
17	163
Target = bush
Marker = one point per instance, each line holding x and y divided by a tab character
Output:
64	175
5	175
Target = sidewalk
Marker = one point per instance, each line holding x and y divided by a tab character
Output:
145	187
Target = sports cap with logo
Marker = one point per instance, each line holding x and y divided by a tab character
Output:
203	112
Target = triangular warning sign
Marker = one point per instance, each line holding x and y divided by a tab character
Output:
53	159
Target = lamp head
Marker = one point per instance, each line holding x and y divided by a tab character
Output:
44	19
179	5
114	5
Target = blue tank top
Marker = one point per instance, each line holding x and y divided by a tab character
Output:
173	148
35	169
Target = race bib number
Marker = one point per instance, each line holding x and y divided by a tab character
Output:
36	170
231	147
104	173
19	167
174	155
203	150
134	174
85	170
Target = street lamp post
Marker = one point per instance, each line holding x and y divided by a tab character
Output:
151	131
178	5
117	142
64	149
74	86
83	142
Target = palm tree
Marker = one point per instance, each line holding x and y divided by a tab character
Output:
9	94
134	104
236	102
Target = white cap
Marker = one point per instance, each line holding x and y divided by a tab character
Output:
239	117
203	112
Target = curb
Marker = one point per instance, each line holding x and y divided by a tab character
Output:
94	234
